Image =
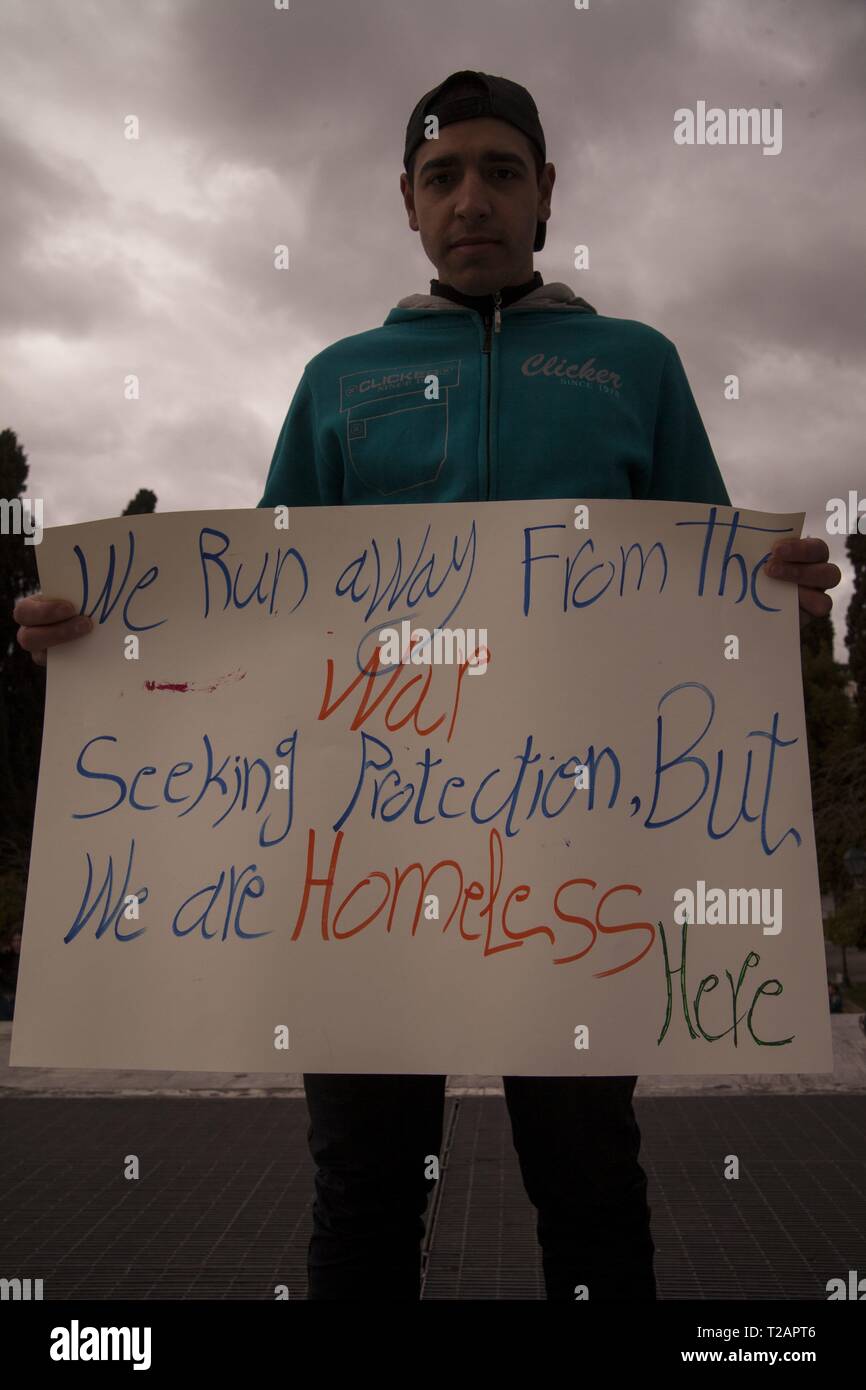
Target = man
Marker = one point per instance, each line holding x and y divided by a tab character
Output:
536	395
493	386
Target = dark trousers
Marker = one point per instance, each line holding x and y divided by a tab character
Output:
577	1142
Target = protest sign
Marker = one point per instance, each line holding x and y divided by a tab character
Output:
286	822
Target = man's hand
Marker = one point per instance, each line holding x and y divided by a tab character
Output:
803	562
44	622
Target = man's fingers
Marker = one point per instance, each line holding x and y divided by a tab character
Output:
814	602
813	576
808	548
38	637
37	609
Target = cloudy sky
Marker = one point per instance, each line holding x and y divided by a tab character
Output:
261	126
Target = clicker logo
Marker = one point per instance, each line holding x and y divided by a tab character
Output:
537	365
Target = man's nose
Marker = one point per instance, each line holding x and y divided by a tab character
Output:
472	197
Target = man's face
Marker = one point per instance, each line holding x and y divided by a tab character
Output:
476	181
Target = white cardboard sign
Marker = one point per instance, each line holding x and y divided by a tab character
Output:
265	842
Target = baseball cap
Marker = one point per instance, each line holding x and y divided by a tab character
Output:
494	96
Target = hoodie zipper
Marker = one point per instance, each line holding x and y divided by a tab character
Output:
497	325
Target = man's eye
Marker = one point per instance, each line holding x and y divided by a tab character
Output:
512	174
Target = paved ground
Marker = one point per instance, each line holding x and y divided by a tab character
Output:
222	1206
222	1209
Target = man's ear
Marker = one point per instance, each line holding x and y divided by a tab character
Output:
545	190
409	201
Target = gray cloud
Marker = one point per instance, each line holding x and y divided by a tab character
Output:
260	127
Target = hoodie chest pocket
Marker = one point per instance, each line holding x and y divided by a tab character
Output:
397	429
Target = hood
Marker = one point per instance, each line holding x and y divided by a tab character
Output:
554	296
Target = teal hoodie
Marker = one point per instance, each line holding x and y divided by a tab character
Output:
546	399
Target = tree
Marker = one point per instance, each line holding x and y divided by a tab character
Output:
22	692
855	639
839	775
22	683
144	501
830	737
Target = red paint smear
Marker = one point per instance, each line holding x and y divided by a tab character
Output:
185	687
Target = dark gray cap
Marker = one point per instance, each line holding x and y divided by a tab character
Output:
495	96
